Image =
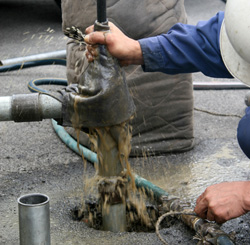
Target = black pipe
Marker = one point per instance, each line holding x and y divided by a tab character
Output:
101	11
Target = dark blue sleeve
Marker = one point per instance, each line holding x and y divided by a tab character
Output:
187	49
243	133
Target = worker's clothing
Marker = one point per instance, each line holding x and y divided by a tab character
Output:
187	49
243	133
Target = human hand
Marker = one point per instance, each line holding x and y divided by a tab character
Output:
224	201
125	49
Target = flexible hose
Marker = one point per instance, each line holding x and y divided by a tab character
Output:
33	85
32	64
72	144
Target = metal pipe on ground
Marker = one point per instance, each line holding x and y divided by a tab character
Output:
61	54
219	85
34	219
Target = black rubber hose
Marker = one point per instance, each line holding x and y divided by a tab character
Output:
32	64
32	85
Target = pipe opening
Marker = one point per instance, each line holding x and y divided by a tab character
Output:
33	199
91	214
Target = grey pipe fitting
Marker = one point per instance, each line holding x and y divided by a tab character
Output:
34	219
29	107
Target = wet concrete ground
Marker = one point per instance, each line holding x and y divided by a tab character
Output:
33	159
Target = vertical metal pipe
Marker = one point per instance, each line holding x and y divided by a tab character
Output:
101	11
34	219
113	217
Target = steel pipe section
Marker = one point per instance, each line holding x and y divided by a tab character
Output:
29	108
219	85
114	219
34	219
61	54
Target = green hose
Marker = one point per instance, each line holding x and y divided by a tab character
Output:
72	144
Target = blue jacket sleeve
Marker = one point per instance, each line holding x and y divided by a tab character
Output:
186	49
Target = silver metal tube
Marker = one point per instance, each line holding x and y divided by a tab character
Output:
5	108
114	219
34	219
219	85
61	54
110	167
29	107
50	107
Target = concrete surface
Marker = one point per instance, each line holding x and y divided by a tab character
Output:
33	159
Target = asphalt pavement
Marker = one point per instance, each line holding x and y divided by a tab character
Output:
33	159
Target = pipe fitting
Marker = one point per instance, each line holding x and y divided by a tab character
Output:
26	108
29	107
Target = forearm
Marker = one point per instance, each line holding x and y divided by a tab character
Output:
246	195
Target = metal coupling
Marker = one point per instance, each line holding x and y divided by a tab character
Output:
29	107
26	108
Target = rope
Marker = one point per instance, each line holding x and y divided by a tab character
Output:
157	226
217	114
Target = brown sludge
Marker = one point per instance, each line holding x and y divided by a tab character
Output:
112	145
